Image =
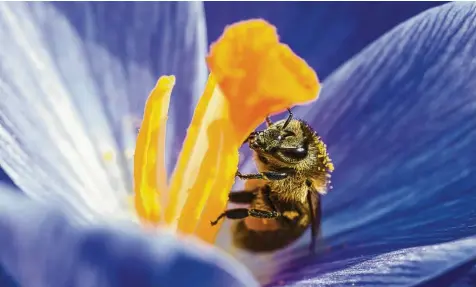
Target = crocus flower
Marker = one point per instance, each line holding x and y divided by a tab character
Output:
398	119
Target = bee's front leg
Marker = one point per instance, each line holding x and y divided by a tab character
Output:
252	135
269	175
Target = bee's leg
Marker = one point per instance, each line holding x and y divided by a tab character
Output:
240	213
242	196
249	137
269	175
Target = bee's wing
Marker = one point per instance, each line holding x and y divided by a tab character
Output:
314	206
317	190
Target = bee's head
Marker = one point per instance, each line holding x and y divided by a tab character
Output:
284	143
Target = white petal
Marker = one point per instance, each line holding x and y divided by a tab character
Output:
69	102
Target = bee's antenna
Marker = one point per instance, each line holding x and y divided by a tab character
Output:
288	120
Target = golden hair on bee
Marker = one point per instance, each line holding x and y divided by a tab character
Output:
284	196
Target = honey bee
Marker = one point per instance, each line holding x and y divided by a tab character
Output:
284	197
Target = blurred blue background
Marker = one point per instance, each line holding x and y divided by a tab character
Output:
325	34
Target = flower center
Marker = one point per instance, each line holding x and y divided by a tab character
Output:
252	75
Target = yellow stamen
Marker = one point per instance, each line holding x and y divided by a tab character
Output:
149	163
259	75
193	152
208	174
217	201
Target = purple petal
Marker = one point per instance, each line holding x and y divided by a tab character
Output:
41	246
403	267
467	280
399	121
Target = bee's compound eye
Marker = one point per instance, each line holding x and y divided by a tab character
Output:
297	153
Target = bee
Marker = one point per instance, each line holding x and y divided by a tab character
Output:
284	196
